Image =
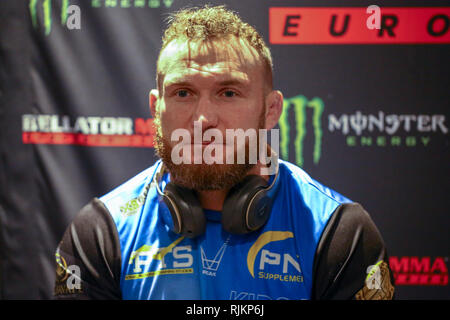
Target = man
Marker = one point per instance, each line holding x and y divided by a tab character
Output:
191	228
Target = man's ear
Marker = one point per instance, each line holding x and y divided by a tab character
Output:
152	100
274	104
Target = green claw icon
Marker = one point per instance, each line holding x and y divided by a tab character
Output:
47	11
300	103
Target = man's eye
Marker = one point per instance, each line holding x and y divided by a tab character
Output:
182	93
229	93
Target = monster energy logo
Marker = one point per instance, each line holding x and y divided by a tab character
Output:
47	12
300	103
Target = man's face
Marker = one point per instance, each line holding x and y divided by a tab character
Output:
219	84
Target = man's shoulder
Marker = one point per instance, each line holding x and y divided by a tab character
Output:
126	197
297	179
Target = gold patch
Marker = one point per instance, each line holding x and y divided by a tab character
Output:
62	277
61	269
378	284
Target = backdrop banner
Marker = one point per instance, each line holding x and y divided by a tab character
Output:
366	112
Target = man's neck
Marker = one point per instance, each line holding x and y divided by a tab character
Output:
213	200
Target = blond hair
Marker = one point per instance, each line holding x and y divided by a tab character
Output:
209	23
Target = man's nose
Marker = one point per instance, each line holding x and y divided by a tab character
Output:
206	113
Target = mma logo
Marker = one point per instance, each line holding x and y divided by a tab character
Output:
300	104
419	271
70	14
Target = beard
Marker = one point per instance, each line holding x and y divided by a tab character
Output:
204	177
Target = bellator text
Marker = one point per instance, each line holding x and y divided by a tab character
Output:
84	125
87	130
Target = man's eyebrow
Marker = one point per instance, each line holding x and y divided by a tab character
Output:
187	83
177	83
233	82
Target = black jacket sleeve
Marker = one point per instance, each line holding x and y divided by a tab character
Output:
88	258
351	261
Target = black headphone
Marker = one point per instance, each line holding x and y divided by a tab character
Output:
246	208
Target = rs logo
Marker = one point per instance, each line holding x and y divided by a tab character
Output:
145	254
172	259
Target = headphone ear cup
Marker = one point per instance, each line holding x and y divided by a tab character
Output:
240	214
186	211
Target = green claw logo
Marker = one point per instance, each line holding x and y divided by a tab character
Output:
300	103
47	10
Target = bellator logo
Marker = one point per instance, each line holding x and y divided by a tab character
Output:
87	131
419	271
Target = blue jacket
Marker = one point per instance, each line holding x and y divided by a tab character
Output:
316	244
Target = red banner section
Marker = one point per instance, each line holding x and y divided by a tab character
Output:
91	131
91	140
351	25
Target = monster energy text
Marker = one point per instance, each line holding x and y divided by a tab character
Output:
70	14
359	129
392	128
131	3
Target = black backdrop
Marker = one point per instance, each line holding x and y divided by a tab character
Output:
75	123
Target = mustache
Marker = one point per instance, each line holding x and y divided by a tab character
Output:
200	177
